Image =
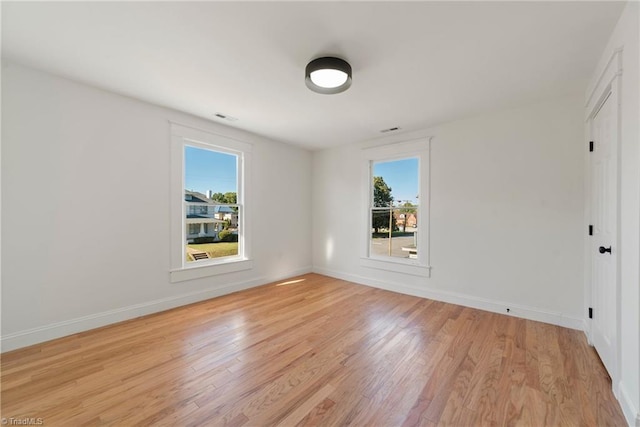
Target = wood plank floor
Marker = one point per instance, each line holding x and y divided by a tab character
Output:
313	351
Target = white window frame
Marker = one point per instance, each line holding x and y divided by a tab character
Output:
181	137
420	149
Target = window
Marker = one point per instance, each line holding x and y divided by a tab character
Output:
394	209
210	183
397	227
211	178
193	229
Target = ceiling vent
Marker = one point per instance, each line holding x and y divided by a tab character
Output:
393	129
225	117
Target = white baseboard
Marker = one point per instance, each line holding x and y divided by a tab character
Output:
81	324
631	413
529	313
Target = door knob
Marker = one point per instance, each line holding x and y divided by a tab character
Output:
602	249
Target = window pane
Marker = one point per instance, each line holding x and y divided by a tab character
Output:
215	236
211	209
211	171
394	233
395	182
394	209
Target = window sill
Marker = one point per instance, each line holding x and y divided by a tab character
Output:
412	269
199	271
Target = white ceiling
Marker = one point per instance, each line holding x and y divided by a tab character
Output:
415	64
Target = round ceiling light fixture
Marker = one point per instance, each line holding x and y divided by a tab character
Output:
328	75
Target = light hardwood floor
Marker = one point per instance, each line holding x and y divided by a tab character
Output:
313	351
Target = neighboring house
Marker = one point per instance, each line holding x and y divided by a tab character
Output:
225	213
205	217
408	220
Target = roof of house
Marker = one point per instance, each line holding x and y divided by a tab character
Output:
223	209
207	219
192	216
196	197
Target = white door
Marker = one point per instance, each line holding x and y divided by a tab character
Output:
604	213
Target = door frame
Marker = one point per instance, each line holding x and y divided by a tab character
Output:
607	87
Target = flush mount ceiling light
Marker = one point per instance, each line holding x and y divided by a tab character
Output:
328	75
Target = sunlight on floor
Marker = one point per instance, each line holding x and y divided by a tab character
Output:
291	282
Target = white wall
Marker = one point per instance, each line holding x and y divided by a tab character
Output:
506	213
625	36
85	197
